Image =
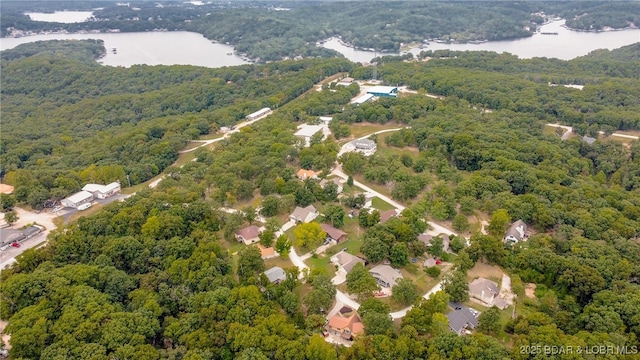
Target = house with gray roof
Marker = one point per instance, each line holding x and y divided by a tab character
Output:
365	146
304	215
484	290
346	261
517	232
276	275
385	275
462	318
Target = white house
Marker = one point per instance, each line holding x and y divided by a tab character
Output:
77	199
304	215
385	275
365	146
517	232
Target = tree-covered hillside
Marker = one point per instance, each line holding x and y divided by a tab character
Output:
67	120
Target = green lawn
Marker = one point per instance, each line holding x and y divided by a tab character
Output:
381	205
322	261
278	261
362	129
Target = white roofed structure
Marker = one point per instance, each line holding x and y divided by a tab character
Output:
77	199
363	99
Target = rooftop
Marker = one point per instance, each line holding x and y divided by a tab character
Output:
308	130
249	232
383	89
364	144
80	196
276	273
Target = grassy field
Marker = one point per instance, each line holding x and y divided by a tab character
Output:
380	204
322	261
278	261
361	129
491	272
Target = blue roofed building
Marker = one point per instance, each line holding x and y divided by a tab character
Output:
383	91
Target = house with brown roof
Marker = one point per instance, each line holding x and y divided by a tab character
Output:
334	234
345	323
346	261
248	235
386	215
304	174
267	252
385	275
304	215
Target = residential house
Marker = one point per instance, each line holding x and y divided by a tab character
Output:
462	318
365	146
248	235
517	232
304	174
589	140
426	239
484	290
430	262
304	215
385	275
267	252
346	261
336	181
334	234
386	215
276	275
345	323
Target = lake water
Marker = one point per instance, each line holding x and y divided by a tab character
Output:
566	45
151	48
66	17
188	48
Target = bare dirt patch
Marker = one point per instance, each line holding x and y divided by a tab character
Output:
530	290
5	337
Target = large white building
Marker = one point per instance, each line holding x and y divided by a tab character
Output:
259	113
307	131
77	199
102	191
363	99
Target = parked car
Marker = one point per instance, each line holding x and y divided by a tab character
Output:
15	244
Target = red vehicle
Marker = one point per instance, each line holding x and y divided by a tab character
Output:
438	262
15	244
